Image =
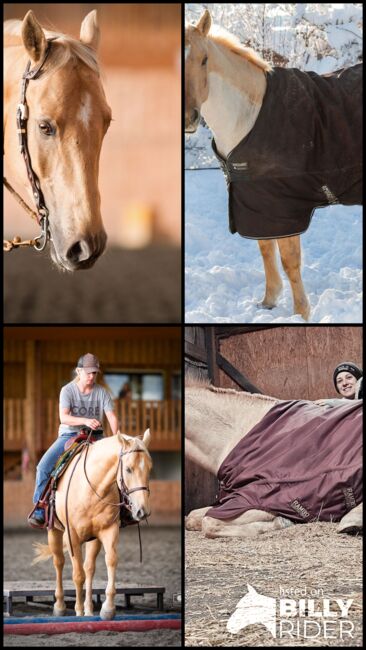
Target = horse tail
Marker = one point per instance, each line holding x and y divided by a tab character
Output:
43	552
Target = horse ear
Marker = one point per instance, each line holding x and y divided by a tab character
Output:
122	438
33	37
147	437
89	30
204	23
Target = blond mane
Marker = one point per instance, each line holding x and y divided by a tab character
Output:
222	37
59	55
192	382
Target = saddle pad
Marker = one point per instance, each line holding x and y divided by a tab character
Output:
304	152
302	461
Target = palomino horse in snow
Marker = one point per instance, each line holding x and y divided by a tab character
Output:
64	117
278	171
216	419
88	509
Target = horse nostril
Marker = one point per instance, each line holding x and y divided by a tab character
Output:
79	252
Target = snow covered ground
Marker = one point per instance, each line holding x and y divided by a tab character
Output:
225	275
224	272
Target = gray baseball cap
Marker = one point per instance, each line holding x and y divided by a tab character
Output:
89	362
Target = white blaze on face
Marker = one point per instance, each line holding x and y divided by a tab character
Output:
84	112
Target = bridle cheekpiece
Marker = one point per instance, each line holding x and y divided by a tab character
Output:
38	243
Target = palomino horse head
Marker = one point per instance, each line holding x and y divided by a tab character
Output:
68	119
136	467
196	70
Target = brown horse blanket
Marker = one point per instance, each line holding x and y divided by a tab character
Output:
304	152
302	461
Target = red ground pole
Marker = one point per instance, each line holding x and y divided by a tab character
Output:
93	626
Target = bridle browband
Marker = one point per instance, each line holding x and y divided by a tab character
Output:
123	490
41	216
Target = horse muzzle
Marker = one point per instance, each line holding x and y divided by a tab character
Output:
81	254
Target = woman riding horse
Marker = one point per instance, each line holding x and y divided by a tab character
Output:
82	403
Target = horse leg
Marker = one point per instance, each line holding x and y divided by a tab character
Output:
290	251
273	279
109	538
78	575
193	521
249	524
351	523
92	549
55	542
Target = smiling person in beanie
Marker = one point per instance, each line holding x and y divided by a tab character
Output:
83	403
345	378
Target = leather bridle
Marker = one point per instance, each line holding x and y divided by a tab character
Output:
123	489
41	216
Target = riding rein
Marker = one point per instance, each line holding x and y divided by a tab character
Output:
41	216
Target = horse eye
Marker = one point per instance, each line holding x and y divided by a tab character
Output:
46	128
128	470
204	61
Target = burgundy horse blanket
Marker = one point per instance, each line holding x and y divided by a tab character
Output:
302	461
304	152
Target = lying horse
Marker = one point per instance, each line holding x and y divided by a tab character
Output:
88	509
60	116
273	470
288	142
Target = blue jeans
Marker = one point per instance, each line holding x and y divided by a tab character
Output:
48	461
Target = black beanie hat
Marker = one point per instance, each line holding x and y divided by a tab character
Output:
346	366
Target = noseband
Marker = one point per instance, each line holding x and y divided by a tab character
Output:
41	216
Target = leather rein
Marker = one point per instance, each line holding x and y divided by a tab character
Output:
41	216
123	490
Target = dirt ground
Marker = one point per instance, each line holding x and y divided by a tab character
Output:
161	547
306	557
124	286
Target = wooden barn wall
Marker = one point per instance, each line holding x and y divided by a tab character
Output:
57	358
292	362
200	486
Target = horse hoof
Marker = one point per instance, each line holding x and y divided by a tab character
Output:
351	523
59	612
350	529
283	522
107	614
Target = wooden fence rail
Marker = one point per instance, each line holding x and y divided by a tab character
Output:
162	417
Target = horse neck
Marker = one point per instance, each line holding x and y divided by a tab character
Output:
102	463
15	61
236	91
216	421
